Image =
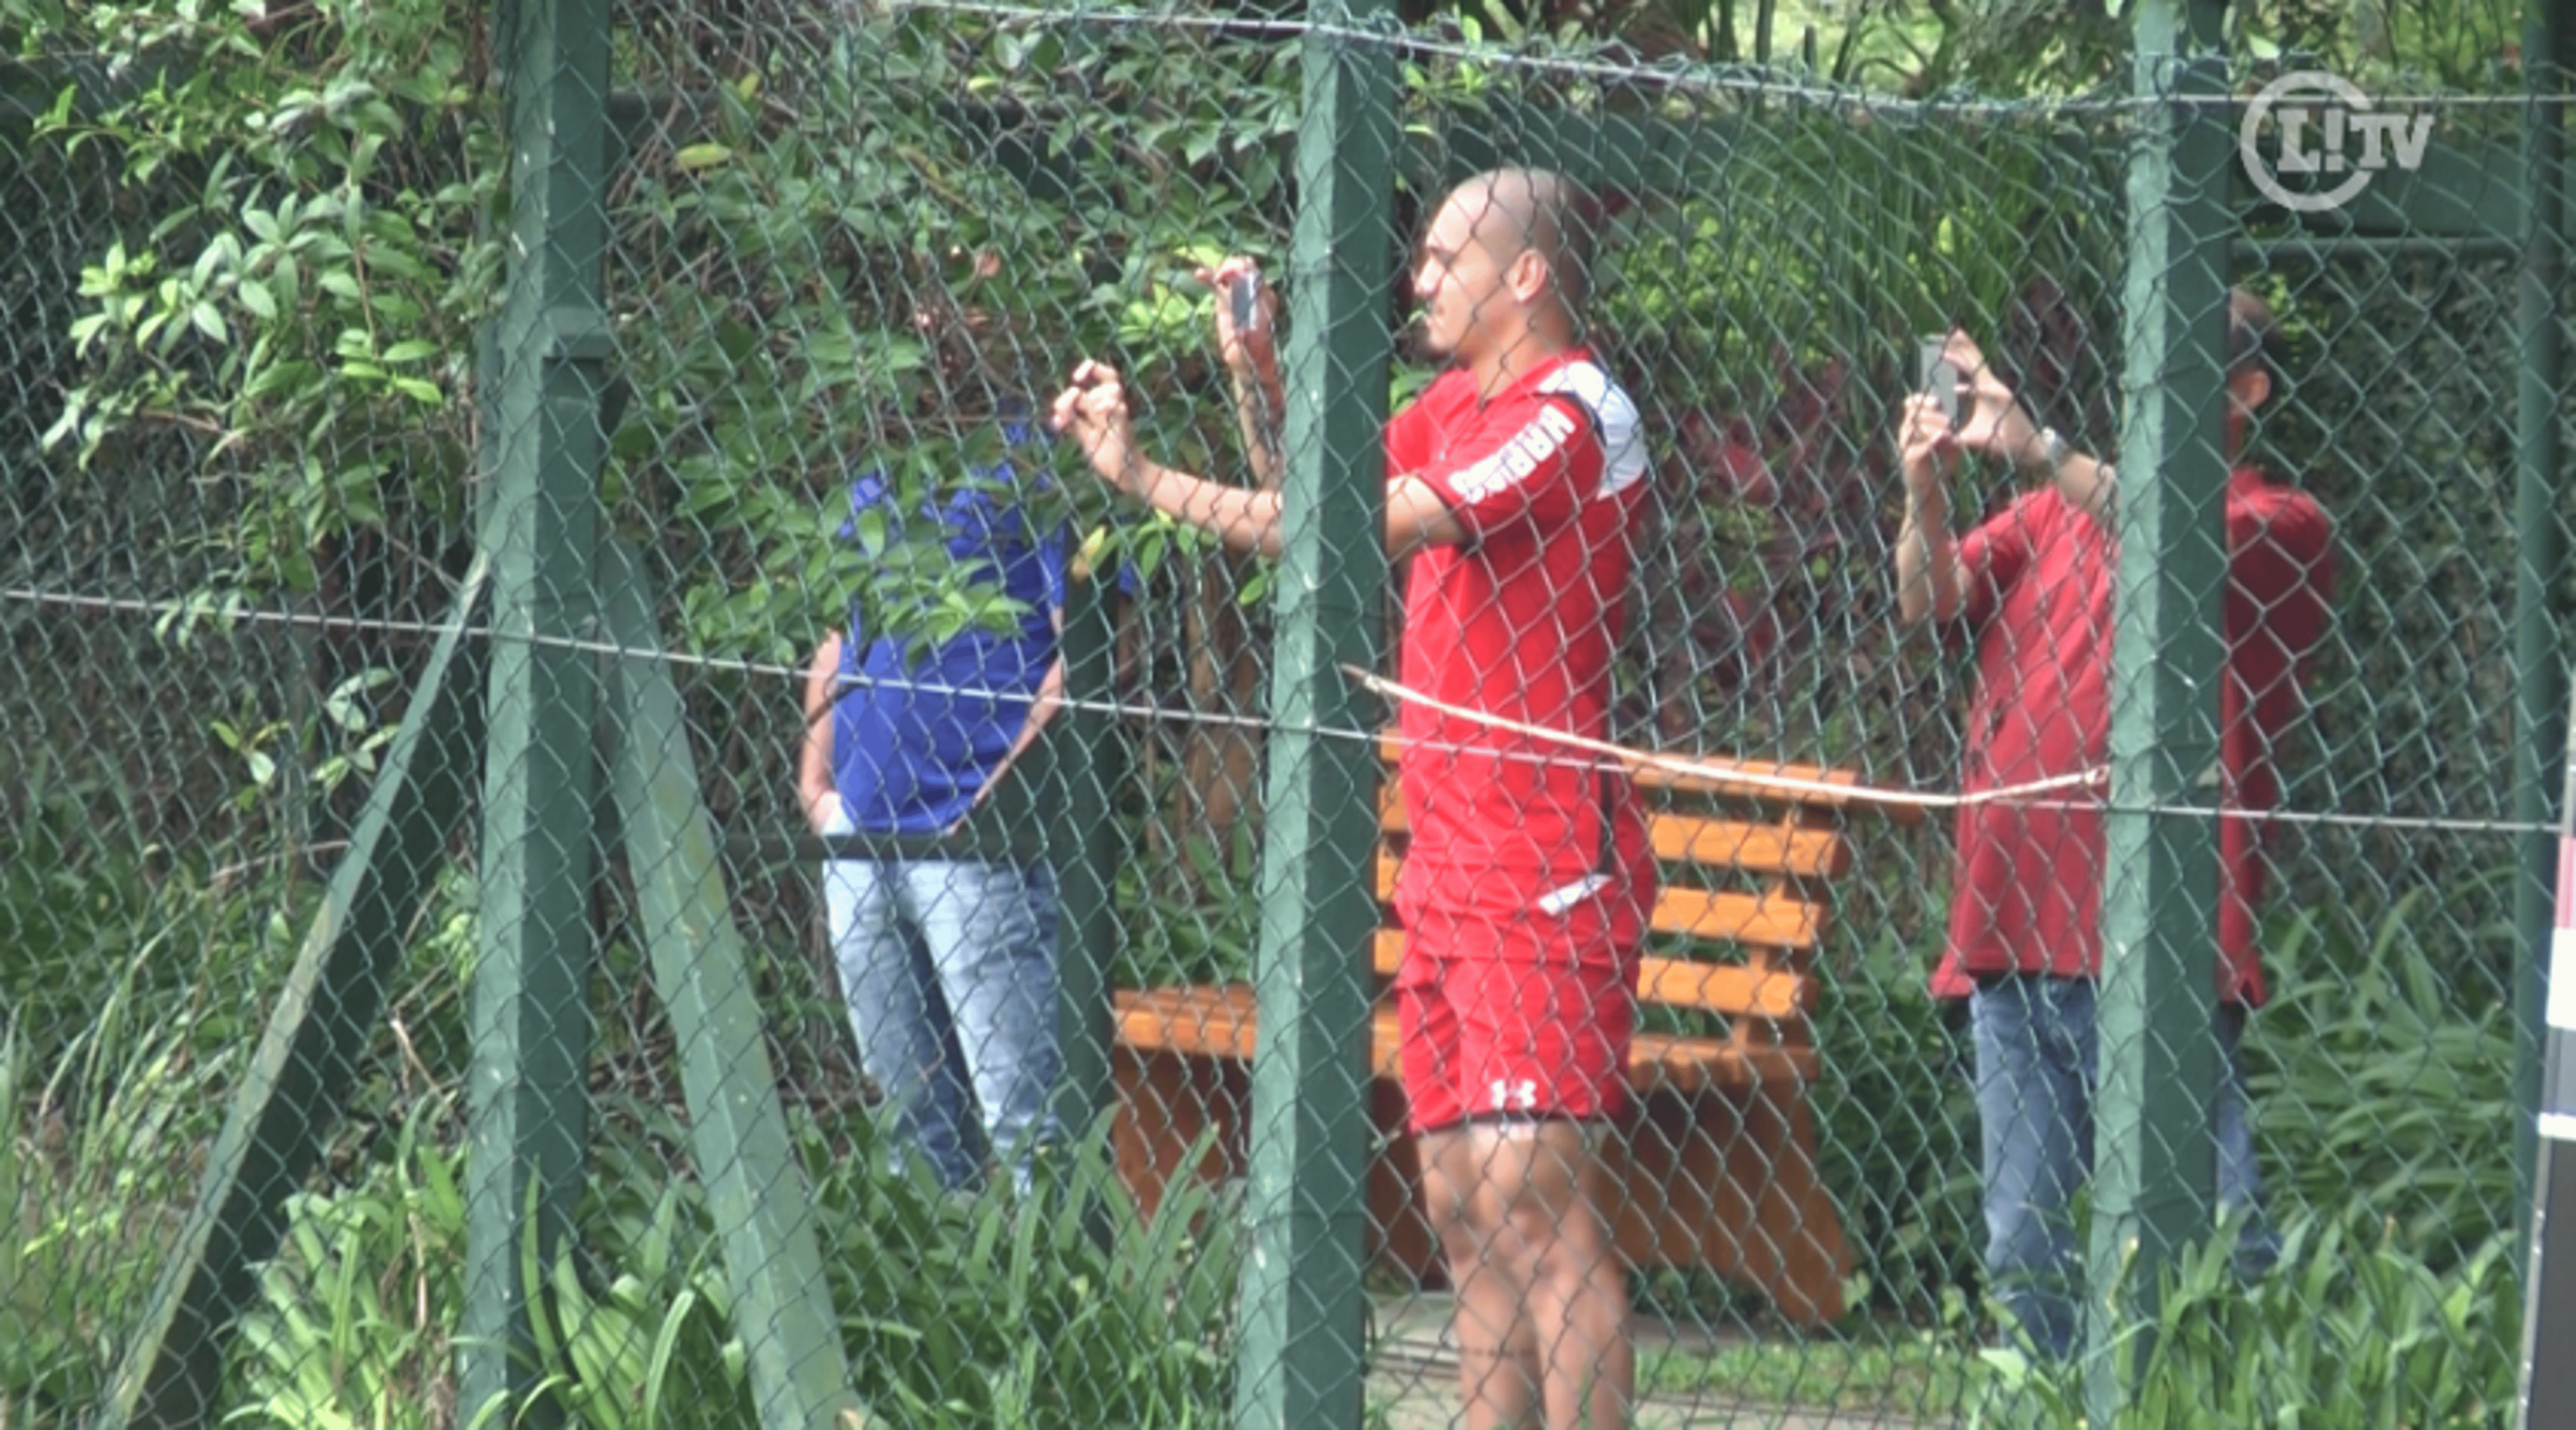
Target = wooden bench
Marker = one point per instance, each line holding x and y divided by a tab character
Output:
1718	1157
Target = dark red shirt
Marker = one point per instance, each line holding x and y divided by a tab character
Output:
1520	621
2028	894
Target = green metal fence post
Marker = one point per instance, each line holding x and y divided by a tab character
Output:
2540	557
1085	844
526	1099
1301	1363
308	1057
756	1193
2153	1158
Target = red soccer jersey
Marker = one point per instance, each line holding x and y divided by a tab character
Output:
1520	621
2028	896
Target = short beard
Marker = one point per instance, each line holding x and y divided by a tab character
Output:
1413	343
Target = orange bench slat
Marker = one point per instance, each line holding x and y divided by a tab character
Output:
1716	843
1222	1022
1729	988
1202	1021
1764	920
1755	848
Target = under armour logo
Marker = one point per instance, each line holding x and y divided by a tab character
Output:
1510	1096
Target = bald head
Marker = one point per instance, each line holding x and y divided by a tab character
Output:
1500	274
1535	211
2251	335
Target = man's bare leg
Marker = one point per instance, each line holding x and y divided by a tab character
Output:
1579	1286
1542	1292
1498	1366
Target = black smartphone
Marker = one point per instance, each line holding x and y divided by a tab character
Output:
1940	376
1244	292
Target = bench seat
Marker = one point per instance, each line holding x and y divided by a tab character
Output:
1716	1165
1218	1022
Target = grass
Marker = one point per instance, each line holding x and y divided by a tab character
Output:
91	1202
1922	1373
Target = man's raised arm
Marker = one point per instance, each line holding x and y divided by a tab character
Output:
1251	355
1931	584
1093	412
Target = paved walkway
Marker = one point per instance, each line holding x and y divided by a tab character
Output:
1413	1380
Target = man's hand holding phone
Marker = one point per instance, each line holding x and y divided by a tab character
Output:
1243	300
1927	443
1244	313
1927	432
1983	413
1940	379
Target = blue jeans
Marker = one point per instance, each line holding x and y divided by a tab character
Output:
949	969
2036	1071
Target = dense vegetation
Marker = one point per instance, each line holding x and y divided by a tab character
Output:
253	254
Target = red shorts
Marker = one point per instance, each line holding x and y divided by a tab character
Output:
1491	1029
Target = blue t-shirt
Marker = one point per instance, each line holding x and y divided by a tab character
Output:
918	728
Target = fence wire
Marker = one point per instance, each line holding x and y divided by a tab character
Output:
612	824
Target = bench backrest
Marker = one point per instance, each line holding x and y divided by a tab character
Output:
1744	871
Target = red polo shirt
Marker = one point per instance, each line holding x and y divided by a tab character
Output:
1520	621
2028	894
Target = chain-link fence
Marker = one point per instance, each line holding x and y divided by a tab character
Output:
615	826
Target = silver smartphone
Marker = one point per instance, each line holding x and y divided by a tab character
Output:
1940	377
1244	292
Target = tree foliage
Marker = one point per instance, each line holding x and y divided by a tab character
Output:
857	236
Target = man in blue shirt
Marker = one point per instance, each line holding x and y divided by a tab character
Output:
948	964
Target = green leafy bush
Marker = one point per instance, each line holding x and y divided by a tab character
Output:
113	1065
2354	1331
2384	1080
1897	1127
1066	1309
352	1323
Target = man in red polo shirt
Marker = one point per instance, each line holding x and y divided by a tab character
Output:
1513	483
2032	588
